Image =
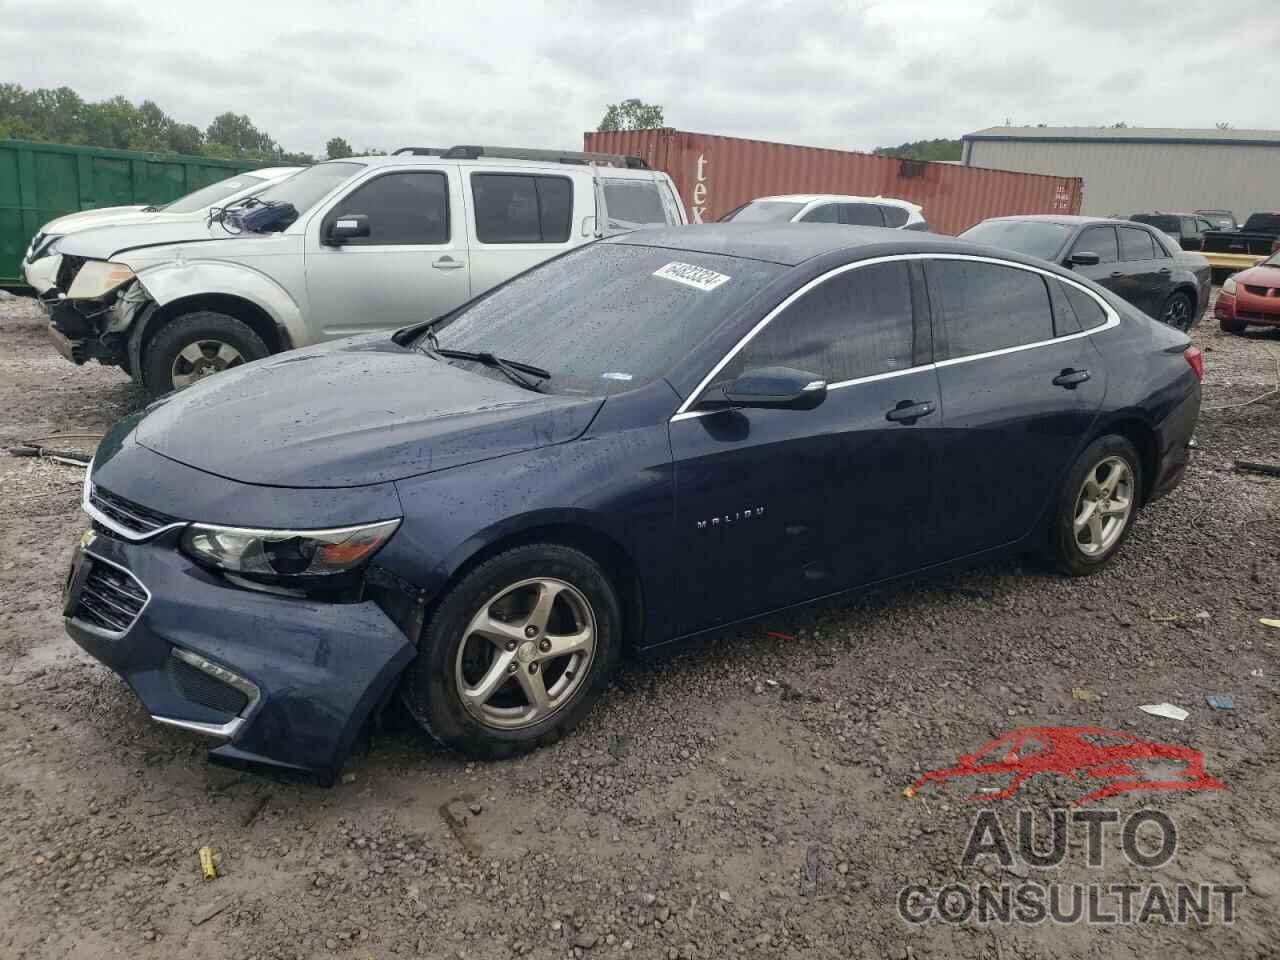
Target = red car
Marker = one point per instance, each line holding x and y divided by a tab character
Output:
1116	761
1251	297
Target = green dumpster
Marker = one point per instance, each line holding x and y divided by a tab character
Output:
40	181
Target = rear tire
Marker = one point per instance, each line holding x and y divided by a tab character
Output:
1096	506
1178	311
195	345
475	691
1231	326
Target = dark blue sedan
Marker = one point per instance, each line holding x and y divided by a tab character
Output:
653	437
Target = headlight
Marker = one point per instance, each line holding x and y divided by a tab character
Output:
286	553
1229	285
44	245
97	278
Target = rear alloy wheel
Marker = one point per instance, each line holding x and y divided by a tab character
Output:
197	345
1097	505
516	654
1231	326
1178	311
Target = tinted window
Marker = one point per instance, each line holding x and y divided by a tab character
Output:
987	307
1169	224
1035	238
1064	315
207	196
1202	224
607	317
857	324
1136	244
765	211
1099	240
401	207
1087	310
1263	222
514	208
633	203
894	216
826	213
1188	226
862	214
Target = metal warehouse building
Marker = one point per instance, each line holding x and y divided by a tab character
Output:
1130	170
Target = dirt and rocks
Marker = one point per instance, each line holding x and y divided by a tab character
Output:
745	799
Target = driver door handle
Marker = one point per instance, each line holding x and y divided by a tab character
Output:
1117	273
1165	270
908	411
447	263
1070	378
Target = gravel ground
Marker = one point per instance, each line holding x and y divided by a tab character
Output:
744	799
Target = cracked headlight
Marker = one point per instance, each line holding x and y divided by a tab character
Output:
97	278
286	553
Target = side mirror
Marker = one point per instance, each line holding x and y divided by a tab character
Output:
346	227
777	387
1084	259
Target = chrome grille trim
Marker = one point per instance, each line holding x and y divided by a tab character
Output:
115	513
126	605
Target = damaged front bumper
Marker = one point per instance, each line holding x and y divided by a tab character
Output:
83	330
278	681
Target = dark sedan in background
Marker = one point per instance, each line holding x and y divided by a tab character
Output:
1132	260
650	438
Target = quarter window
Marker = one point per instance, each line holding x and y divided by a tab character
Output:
857	324
1099	240
827	213
515	208
402	208
1136	244
633	202
1064	315
1087	310
862	214
987	307
894	216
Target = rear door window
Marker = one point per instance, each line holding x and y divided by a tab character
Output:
518	208
857	324
1136	244
1099	240
862	214
825	213
1189	226
403	208
633	202
985	307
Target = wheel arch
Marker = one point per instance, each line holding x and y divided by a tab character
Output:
1187	286
1144	438
570	531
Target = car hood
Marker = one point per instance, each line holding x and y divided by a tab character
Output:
353	412
102	242
92	218
1260	276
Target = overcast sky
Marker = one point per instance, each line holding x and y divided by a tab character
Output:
386	73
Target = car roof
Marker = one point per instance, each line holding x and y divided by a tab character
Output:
275	173
793	243
837	198
1064	219
405	159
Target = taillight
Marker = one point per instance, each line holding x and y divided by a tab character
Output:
1196	359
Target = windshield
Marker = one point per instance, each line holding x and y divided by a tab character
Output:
1263	222
1271	261
607	317
633	203
1036	238
213	193
1170	225
765	211
308	187
1223	218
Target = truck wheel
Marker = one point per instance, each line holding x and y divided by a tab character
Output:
196	345
1178	311
1232	326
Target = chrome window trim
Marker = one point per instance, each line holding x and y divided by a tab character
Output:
1113	320
100	517
113	634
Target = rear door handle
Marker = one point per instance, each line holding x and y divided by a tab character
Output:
1117	273
448	263
1165	270
908	412
1070	378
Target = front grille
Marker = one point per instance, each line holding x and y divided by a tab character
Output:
133	517
199	687
1257	291
110	599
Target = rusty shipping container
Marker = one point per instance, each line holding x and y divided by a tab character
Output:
716	174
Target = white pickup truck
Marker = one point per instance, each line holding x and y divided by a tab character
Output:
344	247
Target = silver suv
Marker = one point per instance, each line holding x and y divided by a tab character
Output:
344	247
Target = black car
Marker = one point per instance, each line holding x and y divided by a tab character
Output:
650	438
1221	219
1186	228
1135	261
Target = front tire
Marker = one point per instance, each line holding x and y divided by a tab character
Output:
1178	311
1097	505
196	345
517	653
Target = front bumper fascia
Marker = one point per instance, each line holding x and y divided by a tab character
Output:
319	668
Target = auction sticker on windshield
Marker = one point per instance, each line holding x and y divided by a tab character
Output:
700	278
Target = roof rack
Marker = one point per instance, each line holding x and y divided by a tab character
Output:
419	151
469	152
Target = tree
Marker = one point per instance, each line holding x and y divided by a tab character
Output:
337	149
631	114
236	130
923	150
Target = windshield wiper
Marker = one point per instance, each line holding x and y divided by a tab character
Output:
514	370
